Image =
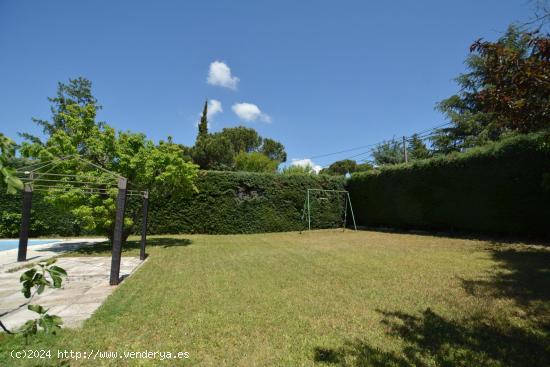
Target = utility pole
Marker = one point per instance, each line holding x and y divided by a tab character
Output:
405	150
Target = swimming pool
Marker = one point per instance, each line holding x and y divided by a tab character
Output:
11	244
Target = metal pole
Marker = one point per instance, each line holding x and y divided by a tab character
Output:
405	150
352	215
345	213
25	222
308	212
144	225
117	235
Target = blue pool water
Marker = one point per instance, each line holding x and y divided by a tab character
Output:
11	244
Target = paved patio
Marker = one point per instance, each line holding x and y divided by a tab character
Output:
8	259
82	292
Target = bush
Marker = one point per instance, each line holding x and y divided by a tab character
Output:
227	202
46	219
241	202
500	188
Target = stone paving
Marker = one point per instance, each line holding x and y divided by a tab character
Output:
82	292
36	253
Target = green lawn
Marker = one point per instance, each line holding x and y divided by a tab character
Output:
323	298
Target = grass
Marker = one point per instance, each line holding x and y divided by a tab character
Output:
323	298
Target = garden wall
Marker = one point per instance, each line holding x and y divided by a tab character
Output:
502	188
46	219
227	202
243	202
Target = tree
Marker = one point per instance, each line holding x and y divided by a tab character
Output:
217	151
242	139
389	152
300	170
363	167
507	90
74	132
274	150
417	149
7	152
340	168
214	152
203	124
255	162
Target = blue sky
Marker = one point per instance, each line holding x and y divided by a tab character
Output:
324	75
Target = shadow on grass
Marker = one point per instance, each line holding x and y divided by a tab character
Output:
464	235
524	276
432	340
488	339
132	246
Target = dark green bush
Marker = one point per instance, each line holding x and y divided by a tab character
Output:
500	188
227	202
243	202
46	219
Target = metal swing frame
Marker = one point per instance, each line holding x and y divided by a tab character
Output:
307	209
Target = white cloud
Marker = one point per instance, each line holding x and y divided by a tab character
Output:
214	107
306	162
220	75
250	112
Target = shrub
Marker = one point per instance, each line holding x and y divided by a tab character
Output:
46	219
227	202
241	202
500	188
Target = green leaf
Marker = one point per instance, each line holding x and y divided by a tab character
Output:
26	290
50	323
56	281
56	269
40	289
29	328
37	308
28	275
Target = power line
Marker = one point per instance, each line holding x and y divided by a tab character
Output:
420	135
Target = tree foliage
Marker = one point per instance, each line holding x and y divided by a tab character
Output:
254	162
203	124
505	91
214	152
219	150
294	169
7	152
417	149
274	150
388	152
74	133
340	168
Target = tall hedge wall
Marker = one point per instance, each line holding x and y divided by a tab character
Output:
227	202
243	202
46	219
503	188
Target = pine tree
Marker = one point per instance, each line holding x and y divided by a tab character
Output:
417	149
203	125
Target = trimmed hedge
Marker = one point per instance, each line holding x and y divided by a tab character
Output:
502	188
46	219
227	202
244	202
